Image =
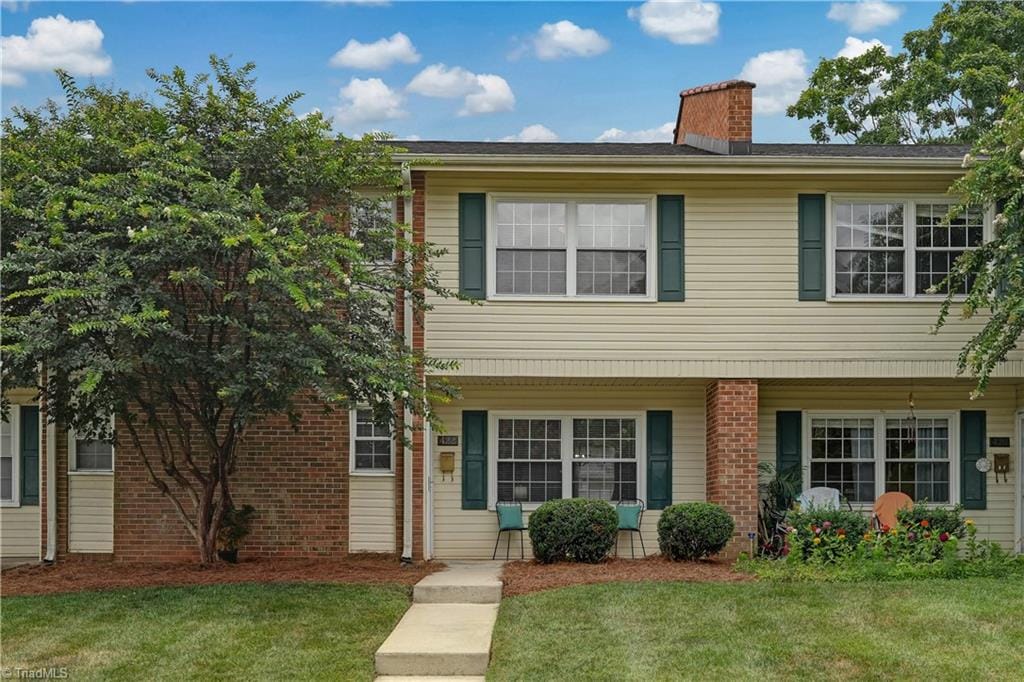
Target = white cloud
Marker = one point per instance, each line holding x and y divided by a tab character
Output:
484	93
566	39
54	43
376	55
780	76
662	133
533	133
855	47
683	23
368	100
866	15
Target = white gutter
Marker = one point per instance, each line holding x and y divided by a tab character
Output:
407	333
51	491
705	163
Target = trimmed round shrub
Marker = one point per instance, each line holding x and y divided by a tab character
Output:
691	531
573	530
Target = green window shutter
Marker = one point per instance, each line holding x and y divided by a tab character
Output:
671	276
811	234
972	448
29	455
659	459
473	245
474	459
788	441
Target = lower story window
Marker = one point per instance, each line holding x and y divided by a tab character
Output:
93	455
917	458
371	443
7	446
864	456
545	458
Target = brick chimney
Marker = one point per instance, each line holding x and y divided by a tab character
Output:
716	117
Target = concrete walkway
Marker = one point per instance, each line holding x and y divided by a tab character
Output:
446	633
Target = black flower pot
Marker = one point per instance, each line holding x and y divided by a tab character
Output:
228	555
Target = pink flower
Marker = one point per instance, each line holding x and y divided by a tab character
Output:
826	525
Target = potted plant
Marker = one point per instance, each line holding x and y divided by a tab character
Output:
234	528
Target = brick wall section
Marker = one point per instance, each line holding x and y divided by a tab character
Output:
296	480
723	111
732	455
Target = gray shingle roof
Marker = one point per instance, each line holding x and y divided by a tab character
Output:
666	149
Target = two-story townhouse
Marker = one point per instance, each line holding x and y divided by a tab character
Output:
649	321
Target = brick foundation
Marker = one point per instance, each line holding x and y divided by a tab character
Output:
732	455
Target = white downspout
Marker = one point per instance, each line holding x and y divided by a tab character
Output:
407	332
51	492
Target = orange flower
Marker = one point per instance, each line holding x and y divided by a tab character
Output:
925	523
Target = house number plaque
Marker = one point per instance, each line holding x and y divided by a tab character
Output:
449	441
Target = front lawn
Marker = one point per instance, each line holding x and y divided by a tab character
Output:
207	632
935	629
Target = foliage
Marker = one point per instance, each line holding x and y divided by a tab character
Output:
934	519
576	529
993	274
945	85
203	632
823	535
235	527
694	530
197	263
777	492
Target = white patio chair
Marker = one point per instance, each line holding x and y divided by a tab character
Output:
819	498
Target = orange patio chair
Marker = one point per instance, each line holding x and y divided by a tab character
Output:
886	507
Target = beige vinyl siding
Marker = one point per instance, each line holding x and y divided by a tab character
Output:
470	534
90	513
372	513
20	533
741	290
998	521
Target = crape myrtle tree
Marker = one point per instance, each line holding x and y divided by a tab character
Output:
198	261
960	80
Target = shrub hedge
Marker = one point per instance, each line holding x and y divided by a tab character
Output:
573	530
691	531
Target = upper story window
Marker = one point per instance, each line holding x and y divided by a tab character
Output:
569	248
884	248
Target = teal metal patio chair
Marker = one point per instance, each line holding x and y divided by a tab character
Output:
631	514
510	518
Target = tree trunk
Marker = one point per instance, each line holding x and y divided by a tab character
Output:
209	517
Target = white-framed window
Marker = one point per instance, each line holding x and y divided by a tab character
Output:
865	454
896	248
88	454
535	457
571	247
371	444
10	448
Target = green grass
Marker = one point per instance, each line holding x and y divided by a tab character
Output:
210	632
934	629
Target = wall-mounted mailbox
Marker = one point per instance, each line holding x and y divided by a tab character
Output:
1002	465
446	462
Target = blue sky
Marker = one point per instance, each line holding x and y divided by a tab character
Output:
575	71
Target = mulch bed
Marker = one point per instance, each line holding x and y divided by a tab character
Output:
524	577
78	576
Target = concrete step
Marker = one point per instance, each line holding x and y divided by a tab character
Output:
439	639
461	583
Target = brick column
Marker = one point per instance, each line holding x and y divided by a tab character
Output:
732	455
419	208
